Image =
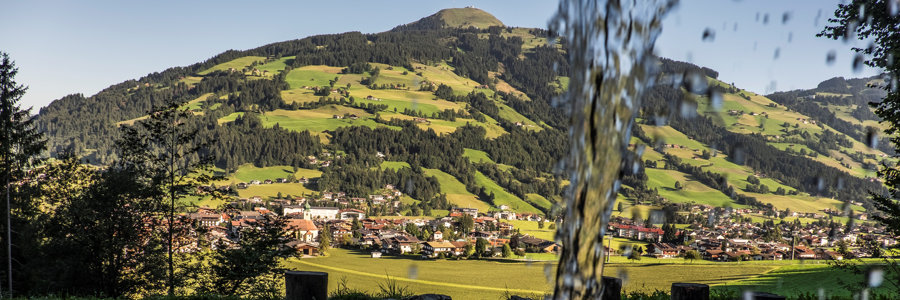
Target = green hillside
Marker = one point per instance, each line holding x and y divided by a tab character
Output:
419	103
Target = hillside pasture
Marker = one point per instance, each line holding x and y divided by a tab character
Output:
501	196
275	66
444	126
692	191
271	190
312	76
237	64
456	191
394	165
317	120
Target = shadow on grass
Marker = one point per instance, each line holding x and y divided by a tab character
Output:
797	280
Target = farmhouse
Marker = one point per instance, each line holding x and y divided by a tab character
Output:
433	249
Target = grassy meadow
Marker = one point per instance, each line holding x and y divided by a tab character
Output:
490	279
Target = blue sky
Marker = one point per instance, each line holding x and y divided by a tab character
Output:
65	47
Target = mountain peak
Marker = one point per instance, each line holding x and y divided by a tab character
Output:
455	18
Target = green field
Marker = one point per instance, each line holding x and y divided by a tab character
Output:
692	191
538	201
464	279
237	64
248	172
531	228
311	76
488	279
501	196
477	156
394	165
272	190
275	66
796	279
456	191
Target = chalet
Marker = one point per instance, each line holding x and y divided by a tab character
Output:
241	185
533	244
662	250
437	235
281	180
420	120
304	248
801	252
433	249
353	117
268	181
337	116
402	243
255	182
303	180
376	254
206	219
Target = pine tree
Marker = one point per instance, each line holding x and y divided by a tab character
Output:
20	145
324	240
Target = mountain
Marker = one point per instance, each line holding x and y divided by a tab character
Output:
456	110
455	18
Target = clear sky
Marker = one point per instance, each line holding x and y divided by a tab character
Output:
64	47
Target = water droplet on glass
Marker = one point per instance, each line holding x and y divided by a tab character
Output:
790	37
820	183
757	17
876	277
623	275
850	34
695	83
777	53
738	155
816	19
862	12
830	57
766	19
893	7
785	17
657	216
872	137
748	295
709	35
412	272
821	293
840	183
735	26
688	108
626	250
857	63
715	99
548	273
410	186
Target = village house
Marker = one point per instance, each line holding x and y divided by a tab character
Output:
433	249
